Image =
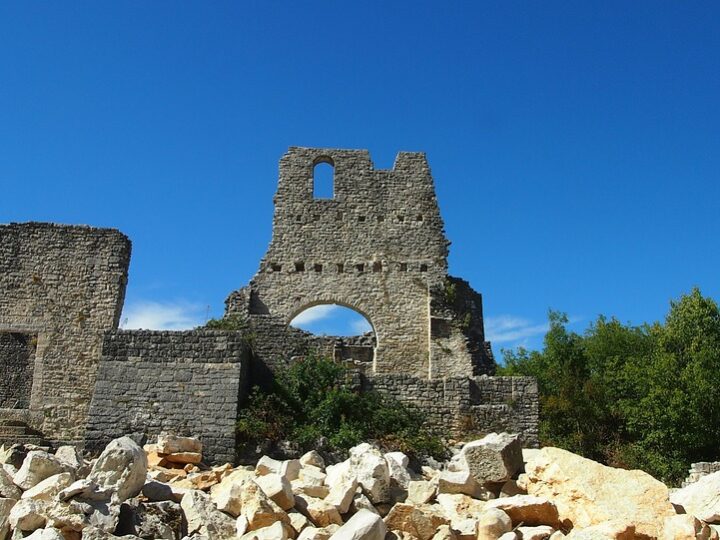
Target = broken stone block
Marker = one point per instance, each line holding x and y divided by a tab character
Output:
278	488
70	456
493	523
539	532
6	505
421	491
368	465
493	459
27	515
461	482
160	520
701	498
36	467
258	509
298	521
49	488
184	457
321	513
444	532
364	525
314	459
204	518
527	509
49	533
121	467
172	444
342	493
420	522
318	533
276	531
458	507
8	489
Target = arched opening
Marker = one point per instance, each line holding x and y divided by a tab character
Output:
340	329
324	179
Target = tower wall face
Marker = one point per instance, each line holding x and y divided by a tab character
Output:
377	246
61	288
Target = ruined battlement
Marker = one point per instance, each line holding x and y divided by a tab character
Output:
377	246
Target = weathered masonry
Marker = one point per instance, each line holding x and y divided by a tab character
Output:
375	243
376	246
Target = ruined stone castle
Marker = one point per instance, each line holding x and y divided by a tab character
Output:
376	246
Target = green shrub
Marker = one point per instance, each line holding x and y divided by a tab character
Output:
314	398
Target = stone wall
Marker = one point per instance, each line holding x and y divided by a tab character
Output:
188	383
65	285
460	406
378	246
17	360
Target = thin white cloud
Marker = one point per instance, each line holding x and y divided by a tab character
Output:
150	315
509	329
361	326
314	314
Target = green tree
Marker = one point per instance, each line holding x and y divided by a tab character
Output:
633	396
674	417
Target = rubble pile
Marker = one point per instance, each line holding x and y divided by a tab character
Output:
490	489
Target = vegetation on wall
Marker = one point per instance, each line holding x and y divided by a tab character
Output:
632	396
314	399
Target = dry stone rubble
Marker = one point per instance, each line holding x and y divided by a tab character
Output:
166	491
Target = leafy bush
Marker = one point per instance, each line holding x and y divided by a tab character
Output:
313	398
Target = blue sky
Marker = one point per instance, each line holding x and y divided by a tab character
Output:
575	145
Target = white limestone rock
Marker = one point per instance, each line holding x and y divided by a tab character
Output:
276	531
259	510
49	533
685	527
49	488
314	459
420	522
421	491
527	509
400	475
121	468
361	502
36	467
70	456
8	489
278	488
539	532
458	507
493	459
6	505
318	533
364	525
335	472
701	498
173	444
444	532
204	518
342	493
368	465
320	512
492	524
298	521
461	482
27	515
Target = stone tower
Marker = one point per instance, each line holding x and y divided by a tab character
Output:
377	246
